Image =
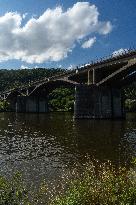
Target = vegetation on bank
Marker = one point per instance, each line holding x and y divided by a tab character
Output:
61	99
130	105
95	185
130	95
4	105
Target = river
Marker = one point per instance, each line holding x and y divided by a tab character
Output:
41	145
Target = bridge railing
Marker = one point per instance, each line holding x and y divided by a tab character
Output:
110	58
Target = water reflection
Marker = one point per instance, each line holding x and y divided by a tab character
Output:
40	145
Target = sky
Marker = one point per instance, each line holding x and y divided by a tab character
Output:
64	33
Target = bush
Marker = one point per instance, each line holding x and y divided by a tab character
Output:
102	186
130	105
4	105
61	99
95	185
13	192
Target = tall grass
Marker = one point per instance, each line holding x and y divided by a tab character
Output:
95	185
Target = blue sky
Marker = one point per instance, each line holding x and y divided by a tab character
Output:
62	38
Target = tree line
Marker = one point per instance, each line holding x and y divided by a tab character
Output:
13	78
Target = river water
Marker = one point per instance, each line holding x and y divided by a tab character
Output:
41	145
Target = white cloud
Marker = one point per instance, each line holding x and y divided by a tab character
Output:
24	15
24	67
36	66
119	52
71	67
104	27
51	36
60	66
89	43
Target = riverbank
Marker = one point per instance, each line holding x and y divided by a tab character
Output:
96	184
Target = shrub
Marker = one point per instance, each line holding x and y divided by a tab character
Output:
13	192
4	105
102	186
130	105
61	99
95	185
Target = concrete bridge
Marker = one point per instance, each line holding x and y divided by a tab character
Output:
97	88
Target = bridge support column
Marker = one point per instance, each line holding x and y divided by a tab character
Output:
91	77
98	102
32	104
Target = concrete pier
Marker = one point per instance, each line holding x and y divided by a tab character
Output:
98	102
33	104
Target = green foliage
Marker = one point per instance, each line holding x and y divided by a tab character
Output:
13	192
4	105
13	78
61	99
130	105
94	185
130	92
101	186
130	95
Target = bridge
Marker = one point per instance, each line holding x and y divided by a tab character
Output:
97	88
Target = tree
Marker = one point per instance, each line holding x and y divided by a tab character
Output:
61	99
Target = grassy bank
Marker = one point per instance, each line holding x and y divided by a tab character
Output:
95	185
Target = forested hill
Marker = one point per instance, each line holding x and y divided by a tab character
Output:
14	78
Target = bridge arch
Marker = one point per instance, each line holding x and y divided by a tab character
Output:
37	100
45	88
